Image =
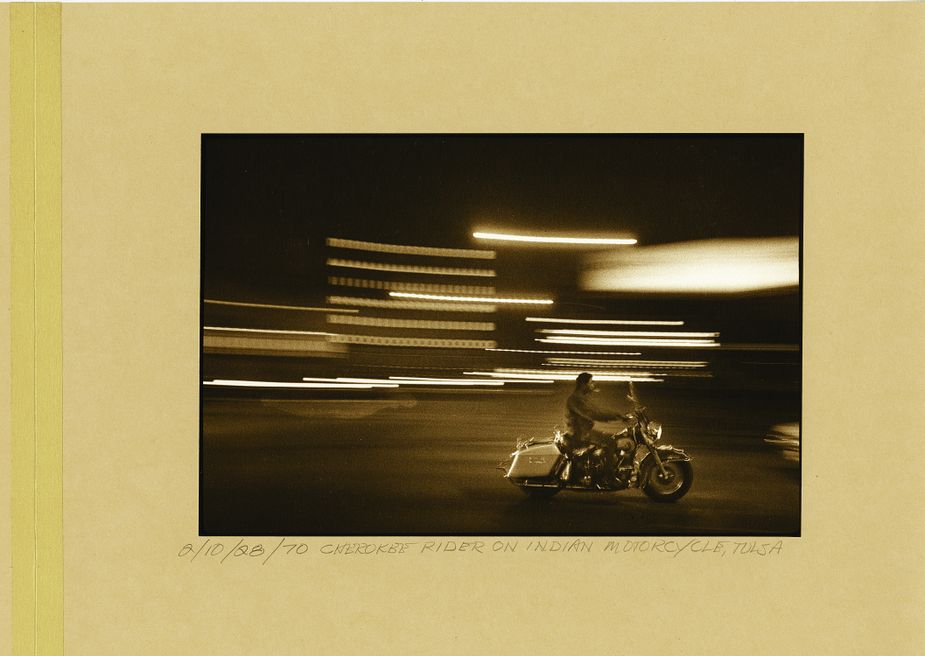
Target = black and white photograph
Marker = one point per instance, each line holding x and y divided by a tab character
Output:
501	334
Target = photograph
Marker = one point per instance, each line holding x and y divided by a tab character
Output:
501	334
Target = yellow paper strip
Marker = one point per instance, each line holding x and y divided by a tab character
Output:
35	187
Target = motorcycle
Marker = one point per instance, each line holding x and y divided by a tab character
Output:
632	458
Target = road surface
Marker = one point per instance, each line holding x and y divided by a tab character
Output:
424	464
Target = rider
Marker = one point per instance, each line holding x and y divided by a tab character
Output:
581	415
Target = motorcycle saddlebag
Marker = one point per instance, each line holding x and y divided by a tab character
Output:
536	461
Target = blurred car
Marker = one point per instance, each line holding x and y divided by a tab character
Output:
785	438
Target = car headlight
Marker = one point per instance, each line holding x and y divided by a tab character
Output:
655	430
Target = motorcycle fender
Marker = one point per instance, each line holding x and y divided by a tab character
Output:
667	454
535	461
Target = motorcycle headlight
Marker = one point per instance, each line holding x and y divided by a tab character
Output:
655	430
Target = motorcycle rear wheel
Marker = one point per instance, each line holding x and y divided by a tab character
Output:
658	488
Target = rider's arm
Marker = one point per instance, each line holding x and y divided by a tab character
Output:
588	411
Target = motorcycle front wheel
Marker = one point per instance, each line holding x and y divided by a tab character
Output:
672	487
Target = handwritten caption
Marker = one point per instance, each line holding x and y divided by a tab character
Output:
263	552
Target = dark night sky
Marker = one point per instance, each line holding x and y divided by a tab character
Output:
268	202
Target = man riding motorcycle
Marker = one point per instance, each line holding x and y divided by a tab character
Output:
581	415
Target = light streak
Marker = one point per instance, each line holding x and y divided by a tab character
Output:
413	324
569	375
686	372
533	374
399	249
472	299
541	352
266	331
410	286
402	379
424	380
421	381
390	304
665	343
659	364
345	379
424	383
540	239
622	322
373	340
713	266
294	385
298	308
624	333
269	345
398	381
411	268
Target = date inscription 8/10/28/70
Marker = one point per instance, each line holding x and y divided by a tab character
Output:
243	550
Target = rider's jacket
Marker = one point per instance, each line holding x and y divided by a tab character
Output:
581	415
